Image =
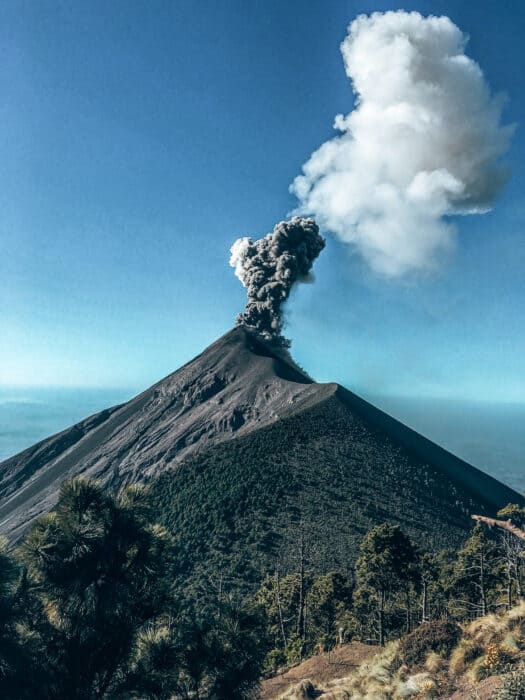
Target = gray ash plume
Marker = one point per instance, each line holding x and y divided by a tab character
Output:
269	267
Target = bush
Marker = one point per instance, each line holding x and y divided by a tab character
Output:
274	660
440	637
294	651
302	691
463	656
514	686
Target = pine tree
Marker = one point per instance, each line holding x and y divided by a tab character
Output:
386	566
101	572
330	596
475	576
18	678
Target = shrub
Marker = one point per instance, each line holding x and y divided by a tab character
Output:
496	659
294	651
440	637
274	660
494	662
463	656
434	662
488	629
513	687
302	691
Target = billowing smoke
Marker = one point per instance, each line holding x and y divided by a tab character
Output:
422	143
269	268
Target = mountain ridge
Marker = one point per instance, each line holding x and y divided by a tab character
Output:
239	384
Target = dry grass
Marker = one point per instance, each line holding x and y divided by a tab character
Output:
304	690
319	669
435	663
489	647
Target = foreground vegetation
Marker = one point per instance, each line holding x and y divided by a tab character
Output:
88	610
396	587
481	659
94	604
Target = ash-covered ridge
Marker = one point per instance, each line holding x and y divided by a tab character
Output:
240	388
236	385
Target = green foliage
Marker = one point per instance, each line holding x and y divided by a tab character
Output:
240	507
513	512
386	566
274	660
513	686
215	657
439	636
294	651
101	602
329	598
278	598
16	643
101	613
475	576
101	572
386	561
512	550
437	569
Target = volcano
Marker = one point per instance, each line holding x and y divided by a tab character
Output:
240	397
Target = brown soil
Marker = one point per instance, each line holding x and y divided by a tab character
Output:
319	669
482	690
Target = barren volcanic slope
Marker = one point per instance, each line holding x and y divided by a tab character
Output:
237	388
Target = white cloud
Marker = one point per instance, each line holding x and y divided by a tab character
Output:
423	142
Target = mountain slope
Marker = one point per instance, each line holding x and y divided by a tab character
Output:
237	384
239	387
322	477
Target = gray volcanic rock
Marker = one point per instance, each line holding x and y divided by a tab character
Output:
237	386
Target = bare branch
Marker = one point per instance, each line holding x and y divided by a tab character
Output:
504	524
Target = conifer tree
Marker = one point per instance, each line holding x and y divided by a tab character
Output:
100	570
475	576
386	566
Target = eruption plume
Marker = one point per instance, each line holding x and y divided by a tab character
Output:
423	143
269	267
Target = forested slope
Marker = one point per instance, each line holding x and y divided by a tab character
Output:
317	481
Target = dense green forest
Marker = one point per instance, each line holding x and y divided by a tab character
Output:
240	509
94	602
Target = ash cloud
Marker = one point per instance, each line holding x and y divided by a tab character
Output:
424	142
269	267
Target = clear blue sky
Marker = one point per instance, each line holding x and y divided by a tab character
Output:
139	139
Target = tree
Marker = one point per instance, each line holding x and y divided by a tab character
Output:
330	596
208	655
101	572
512	547
475	575
17	672
436	571
279	599
385	566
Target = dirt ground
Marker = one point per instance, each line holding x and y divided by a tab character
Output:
319	669
343	660
482	689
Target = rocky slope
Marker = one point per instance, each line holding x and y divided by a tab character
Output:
235	388
236	385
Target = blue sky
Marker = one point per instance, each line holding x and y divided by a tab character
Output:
140	139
